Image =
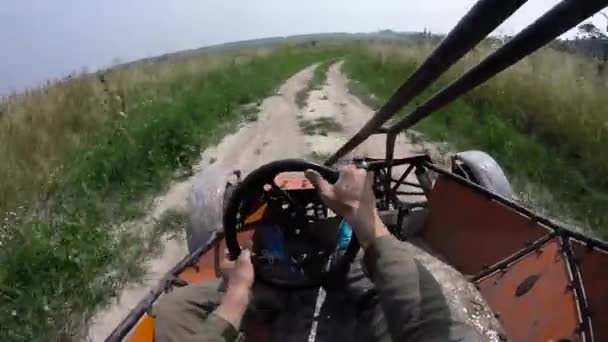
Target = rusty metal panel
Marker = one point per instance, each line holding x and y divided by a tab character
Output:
144	331
593	269
472	231
202	272
532	297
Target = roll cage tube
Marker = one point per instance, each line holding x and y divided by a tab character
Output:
482	18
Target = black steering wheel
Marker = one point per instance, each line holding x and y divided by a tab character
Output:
304	262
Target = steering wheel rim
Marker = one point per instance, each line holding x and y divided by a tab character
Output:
250	186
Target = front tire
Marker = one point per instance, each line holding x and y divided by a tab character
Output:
206	203
481	169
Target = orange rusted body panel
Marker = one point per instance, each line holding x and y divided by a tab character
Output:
144	331
257	215
542	284
472	231
593	268
532	299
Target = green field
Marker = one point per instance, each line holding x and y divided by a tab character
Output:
85	159
545	120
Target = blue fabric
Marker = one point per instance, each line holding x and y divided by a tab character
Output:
345	233
272	239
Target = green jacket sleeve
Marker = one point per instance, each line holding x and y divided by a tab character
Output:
186	315
410	297
212	328
215	329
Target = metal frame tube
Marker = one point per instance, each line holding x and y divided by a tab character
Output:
482	18
555	22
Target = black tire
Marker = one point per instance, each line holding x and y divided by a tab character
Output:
206	201
481	169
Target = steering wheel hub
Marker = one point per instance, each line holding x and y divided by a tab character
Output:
295	242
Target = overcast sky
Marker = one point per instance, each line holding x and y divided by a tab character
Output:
43	39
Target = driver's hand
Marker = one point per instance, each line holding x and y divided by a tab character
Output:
352	197
239	273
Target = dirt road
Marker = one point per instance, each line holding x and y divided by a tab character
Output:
274	135
282	130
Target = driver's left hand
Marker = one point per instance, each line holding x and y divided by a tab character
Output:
239	274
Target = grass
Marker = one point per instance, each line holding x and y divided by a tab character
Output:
172	223
362	92
320	126
544	120
249	112
44	127
316	82
83	155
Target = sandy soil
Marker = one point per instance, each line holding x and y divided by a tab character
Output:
334	101
275	135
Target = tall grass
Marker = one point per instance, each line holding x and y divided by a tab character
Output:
84	153
544	119
43	127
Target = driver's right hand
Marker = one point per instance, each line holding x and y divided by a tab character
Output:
352	197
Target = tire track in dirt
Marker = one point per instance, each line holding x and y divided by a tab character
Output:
334	102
